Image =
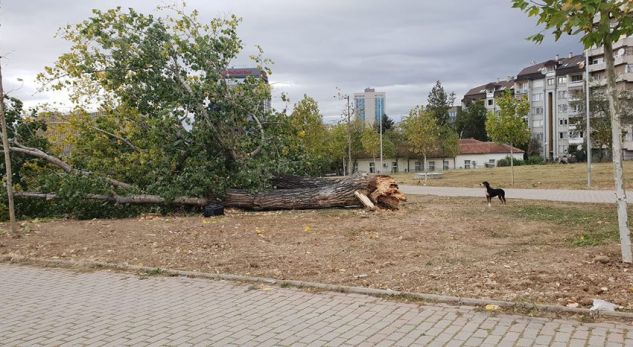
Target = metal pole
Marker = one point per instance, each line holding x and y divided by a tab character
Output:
381	166
588	130
349	139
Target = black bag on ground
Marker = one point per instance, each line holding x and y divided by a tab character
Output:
213	210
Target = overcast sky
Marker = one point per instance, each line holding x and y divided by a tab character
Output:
400	47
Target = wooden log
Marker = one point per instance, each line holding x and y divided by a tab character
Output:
320	193
294	182
365	200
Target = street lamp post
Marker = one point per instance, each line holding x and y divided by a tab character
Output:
588	130
381	165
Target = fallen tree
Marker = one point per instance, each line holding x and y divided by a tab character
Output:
313	193
381	190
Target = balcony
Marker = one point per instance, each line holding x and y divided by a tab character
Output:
597	67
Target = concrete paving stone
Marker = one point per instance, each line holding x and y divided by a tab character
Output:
55	306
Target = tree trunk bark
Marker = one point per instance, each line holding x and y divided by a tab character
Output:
320	193
512	164
618	172
7	160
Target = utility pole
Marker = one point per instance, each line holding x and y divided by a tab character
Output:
381	165
350	165
7	159
588	130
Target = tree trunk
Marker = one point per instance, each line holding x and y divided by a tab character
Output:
425	175
293	182
7	160
321	193
382	190
618	172
512	164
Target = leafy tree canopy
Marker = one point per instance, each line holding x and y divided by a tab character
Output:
471	121
439	102
169	114
508	125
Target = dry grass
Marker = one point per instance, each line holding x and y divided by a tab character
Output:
552	176
525	251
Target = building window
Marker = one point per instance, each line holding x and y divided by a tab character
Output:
562	121
466	164
537	123
562	79
379	108
576	78
445	165
562	94
491	162
418	166
561	135
432	165
538	110
473	164
537	97
490	102
360	108
628	68
372	167
550	81
394	167
562	108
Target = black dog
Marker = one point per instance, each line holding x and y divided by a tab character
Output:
492	192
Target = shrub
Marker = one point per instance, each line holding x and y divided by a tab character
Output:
506	162
535	160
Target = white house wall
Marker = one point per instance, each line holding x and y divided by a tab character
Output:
408	164
482	159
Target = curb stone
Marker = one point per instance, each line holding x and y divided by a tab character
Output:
431	298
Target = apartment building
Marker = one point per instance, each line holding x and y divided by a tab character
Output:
623	63
487	93
549	87
369	106
554	89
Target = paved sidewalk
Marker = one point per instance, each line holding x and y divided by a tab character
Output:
59	307
592	196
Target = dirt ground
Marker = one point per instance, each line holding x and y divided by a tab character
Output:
449	246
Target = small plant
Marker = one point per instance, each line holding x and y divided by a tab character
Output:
154	272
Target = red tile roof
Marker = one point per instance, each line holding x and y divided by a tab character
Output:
472	146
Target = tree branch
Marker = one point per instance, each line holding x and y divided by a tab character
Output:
141	199
126	141
35	152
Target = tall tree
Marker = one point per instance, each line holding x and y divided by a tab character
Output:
439	102
509	126
7	161
422	132
371	143
600	23
311	135
387	124
471	122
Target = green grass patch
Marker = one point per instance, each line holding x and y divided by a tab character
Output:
591	225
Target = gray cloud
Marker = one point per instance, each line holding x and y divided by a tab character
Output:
401	46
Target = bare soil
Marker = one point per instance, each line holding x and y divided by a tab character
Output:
450	246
